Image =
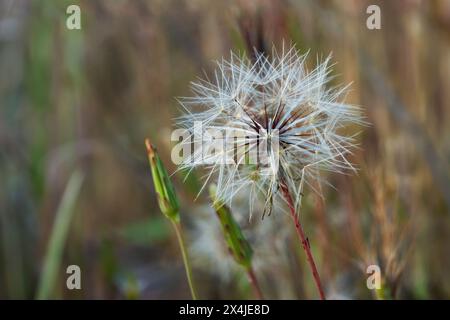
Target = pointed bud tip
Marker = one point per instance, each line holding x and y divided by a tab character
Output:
166	195
151	150
212	191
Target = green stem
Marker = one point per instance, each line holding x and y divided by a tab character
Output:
184	253
383	293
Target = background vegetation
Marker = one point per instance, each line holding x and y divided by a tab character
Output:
75	107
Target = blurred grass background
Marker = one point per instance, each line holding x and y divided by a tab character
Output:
84	100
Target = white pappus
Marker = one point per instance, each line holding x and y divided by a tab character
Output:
275	102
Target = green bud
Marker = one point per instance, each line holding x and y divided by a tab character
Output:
167	198
239	247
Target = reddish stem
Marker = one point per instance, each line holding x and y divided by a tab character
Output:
303	239
254	282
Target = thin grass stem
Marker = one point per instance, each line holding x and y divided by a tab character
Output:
55	247
303	240
184	253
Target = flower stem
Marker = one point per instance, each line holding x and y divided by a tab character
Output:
254	282
304	241
184	253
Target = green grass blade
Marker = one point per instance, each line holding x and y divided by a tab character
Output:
58	237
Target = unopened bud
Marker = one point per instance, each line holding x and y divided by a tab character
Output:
239	247
167	198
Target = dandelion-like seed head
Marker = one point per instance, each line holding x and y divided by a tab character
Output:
275	105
